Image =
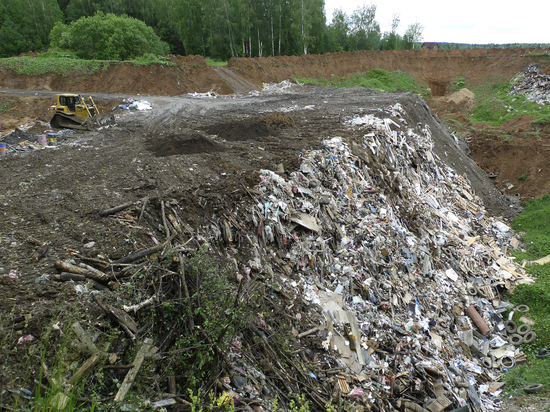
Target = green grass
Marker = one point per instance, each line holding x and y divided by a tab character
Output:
64	66
527	374
496	106
375	79
39	66
6	105
458	83
534	225
535	222
212	62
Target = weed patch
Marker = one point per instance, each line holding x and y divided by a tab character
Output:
495	105
376	79
64	66
534	224
6	105
212	62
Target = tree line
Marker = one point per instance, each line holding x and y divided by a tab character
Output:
466	46
218	29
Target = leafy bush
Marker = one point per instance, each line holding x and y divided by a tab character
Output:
459	83
107	37
373	84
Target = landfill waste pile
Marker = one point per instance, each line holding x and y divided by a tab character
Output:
366	277
404	262
533	85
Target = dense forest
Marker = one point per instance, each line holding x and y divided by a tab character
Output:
217	29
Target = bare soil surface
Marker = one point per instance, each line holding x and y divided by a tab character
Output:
205	154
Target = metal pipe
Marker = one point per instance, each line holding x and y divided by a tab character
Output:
478	320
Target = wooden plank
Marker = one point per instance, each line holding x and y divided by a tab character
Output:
131	376
85	368
83	337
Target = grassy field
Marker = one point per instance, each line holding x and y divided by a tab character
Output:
64	66
495	105
376	79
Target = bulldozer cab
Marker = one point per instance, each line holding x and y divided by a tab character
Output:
74	104
70	102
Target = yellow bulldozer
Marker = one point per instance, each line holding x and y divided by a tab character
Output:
73	112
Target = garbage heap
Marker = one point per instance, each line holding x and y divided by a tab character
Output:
533	85
399	255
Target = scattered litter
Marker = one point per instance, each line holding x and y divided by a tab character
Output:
140	105
27	338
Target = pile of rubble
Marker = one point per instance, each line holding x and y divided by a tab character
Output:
401	258
380	260
533	85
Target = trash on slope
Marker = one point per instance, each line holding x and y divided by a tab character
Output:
400	254
533	85
384	264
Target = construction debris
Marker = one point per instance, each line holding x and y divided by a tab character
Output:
533	85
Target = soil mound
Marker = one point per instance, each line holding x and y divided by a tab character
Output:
184	144
241	130
278	121
252	129
464	99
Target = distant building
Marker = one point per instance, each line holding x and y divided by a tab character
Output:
430	46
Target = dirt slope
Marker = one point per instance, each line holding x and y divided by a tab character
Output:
437	68
492	148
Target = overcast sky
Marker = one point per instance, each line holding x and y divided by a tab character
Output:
467	21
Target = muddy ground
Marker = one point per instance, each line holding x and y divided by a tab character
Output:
204	154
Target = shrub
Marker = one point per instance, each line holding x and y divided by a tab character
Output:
107	37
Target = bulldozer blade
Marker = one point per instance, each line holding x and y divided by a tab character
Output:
61	121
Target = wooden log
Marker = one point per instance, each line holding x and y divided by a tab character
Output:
138	306
141	254
119	367
115	209
308	332
123	317
95	271
66	277
40	252
118	319
166	228
68	267
172	384
34	241
131	376
145	201
85	368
